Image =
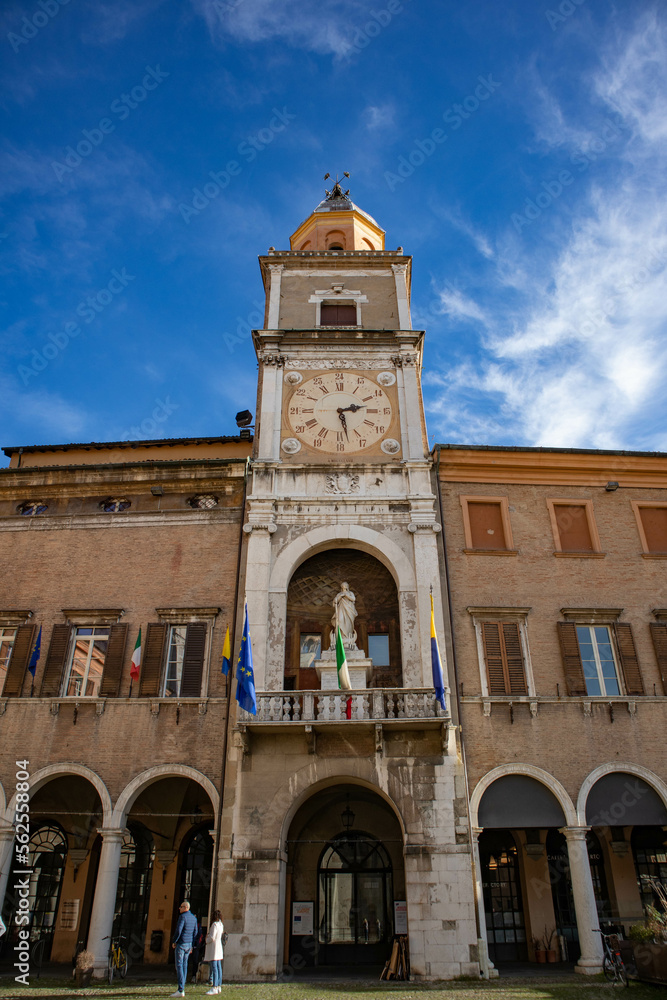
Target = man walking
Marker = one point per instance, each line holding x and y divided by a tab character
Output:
183	942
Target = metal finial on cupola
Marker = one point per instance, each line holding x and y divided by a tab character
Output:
336	191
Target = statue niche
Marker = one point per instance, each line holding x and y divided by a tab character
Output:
366	602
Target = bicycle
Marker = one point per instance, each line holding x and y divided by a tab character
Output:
613	965
117	960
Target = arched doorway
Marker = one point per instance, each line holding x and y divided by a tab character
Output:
310	607
47	858
133	892
503	901
355	893
345	872
196	866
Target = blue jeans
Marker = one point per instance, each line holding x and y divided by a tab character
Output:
216	972
181	960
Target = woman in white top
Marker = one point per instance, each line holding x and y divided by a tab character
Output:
213	953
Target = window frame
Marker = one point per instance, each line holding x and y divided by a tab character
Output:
498	616
5	627
71	652
470	549
620	680
174	617
337	294
596	552
637	505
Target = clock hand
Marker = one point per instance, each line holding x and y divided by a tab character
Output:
343	422
352	408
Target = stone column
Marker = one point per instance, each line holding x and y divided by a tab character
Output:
273	319
590	962
400	278
101	920
487	968
6	858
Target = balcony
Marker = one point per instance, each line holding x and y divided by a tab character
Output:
318	711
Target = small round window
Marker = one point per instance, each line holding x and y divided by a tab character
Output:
31	507
203	501
114	504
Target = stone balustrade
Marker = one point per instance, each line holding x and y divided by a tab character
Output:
372	704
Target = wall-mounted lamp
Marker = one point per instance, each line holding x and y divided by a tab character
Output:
347	815
611	486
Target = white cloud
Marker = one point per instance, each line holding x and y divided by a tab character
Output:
379	116
582	361
327	27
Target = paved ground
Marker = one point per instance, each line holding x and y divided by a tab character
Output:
562	986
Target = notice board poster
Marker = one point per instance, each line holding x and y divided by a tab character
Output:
302	918
400	916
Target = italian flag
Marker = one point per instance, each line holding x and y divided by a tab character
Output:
136	658
341	664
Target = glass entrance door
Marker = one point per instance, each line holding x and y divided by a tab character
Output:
355	902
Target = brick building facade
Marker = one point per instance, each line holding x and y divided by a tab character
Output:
536	799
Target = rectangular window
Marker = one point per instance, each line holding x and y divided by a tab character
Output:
598	660
175	656
378	649
7	636
652	524
85	664
573	527
338	314
310	649
486	524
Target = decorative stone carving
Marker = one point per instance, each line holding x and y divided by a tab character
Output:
390	446
340	483
386	378
428	526
250	526
293	378
273	359
405	360
339	364
291	446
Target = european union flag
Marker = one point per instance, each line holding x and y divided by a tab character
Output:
245	677
436	665
35	653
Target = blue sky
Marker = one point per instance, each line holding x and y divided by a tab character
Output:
534	210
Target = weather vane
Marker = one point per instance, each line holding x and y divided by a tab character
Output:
337	191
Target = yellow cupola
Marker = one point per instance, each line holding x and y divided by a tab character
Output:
338	224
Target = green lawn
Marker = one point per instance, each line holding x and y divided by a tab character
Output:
558	988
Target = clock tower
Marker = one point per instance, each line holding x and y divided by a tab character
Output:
342	501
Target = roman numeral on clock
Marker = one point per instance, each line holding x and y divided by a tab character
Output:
311	423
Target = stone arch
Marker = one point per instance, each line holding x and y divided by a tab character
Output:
554	786
132	790
65	770
309	544
368	243
305	783
651	779
3	801
382	548
336	236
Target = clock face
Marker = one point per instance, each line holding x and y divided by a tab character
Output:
340	413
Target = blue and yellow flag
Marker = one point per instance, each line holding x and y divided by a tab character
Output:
226	654
32	666
245	677
436	665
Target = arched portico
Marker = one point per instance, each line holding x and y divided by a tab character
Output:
614	767
529	770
